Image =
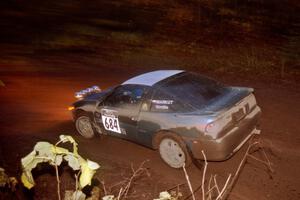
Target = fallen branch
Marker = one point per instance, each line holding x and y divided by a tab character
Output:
231	180
115	185
216	184
120	193
224	187
266	157
242	163
58	182
259	160
177	186
237	173
209	187
136	173
203	176
104	188
188	181
124	191
196	190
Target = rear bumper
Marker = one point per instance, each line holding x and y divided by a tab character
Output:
224	147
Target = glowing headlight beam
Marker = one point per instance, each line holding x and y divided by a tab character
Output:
70	108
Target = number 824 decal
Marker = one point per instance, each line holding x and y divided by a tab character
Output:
111	123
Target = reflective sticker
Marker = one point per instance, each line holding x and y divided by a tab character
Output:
110	121
166	102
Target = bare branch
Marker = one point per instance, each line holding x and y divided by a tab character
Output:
224	187
209	188
176	186
115	185
104	188
222	193
266	157
203	176
120	193
58	182
129	181
209	192
198	188
188	181
136	173
216	184
237	173
259	160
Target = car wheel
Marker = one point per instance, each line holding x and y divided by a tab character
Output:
84	126
173	151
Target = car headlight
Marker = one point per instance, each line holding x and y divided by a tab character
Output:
70	108
79	95
83	93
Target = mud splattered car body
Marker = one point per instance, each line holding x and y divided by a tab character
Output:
178	112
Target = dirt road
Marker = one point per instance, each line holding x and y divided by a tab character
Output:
34	108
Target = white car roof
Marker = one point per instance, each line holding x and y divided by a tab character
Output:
151	78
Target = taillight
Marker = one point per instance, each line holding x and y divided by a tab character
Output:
217	125
211	127
208	127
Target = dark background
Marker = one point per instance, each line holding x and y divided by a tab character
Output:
50	49
253	36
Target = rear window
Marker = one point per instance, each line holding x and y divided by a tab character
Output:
193	89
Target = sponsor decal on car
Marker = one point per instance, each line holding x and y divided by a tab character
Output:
110	120
161	107
162	104
165	102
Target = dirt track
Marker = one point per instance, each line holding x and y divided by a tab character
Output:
34	108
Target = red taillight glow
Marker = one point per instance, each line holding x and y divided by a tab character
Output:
209	127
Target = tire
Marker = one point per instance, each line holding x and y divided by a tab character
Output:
84	126
173	151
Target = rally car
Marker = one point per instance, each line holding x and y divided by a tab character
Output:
179	113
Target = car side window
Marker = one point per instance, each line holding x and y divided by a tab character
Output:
127	95
164	102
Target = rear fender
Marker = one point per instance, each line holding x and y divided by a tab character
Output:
158	135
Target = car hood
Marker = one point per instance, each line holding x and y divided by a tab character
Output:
94	96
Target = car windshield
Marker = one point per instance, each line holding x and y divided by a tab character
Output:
193	89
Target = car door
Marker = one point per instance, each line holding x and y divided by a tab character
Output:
119	112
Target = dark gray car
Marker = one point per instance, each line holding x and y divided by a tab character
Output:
177	112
